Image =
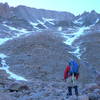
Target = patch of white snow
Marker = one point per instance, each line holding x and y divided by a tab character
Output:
6	68
48	20
60	28
42	23
74	36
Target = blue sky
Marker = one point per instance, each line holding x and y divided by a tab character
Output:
74	6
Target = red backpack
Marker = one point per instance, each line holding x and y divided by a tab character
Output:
66	71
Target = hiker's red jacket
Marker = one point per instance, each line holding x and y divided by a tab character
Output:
66	75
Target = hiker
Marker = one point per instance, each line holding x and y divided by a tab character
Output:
71	75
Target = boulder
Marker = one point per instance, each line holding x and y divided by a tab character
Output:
94	96
17	86
93	87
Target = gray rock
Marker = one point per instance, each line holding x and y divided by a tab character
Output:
5	96
17	87
93	96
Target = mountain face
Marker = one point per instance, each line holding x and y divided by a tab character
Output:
32	18
5	10
22	16
33	14
21	20
88	18
37	44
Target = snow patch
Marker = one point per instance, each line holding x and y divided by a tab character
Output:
21	32
48	20
10	27
42	23
35	25
6	68
15	29
95	23
3	40
97	20
60	28
72	37
76	52
78	21
2	56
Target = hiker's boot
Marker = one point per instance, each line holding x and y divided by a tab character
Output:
76	90
69	91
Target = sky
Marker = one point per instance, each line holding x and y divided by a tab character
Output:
74	6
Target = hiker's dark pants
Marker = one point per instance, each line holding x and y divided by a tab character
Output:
70	90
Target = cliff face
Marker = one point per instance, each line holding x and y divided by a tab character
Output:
5	10
22	16
89	18
32	14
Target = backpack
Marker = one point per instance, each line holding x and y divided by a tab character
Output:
74	68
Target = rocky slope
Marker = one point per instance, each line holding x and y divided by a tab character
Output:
36	45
